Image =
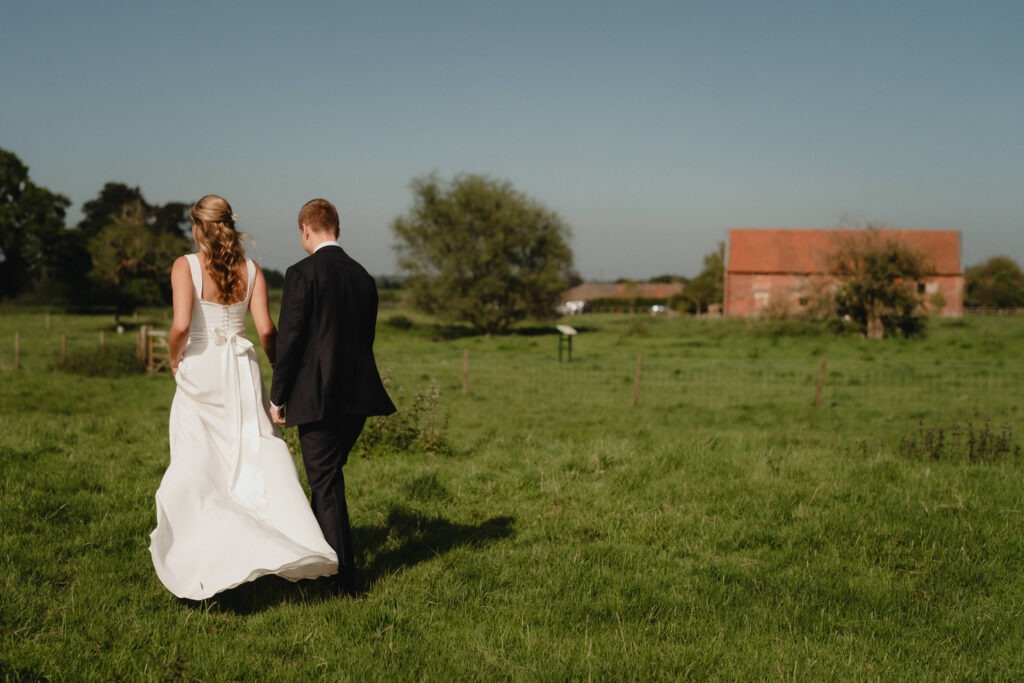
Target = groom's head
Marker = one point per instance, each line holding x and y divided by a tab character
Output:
318	221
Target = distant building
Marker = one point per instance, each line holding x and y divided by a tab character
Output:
638	295
781	269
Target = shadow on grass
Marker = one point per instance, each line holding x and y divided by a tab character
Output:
406	539
409	537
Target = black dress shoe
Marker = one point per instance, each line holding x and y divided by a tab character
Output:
344	584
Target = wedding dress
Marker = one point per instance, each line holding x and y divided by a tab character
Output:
230	507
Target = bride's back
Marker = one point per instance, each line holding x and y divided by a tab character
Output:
212	319
211	290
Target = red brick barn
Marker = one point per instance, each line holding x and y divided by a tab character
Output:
780	270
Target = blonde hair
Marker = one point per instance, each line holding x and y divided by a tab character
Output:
221	243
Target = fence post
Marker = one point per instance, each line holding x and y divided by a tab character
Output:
636	382
465	372
819	383
140	344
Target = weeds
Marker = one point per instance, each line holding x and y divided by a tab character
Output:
969	443
399	322
637	327
109	362
421	427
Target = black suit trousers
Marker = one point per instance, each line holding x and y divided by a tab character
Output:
325	448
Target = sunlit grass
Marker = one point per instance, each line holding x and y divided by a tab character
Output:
723	528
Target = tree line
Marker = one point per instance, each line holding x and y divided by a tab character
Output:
118	255
471	250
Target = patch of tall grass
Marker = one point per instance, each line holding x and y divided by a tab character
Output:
102	362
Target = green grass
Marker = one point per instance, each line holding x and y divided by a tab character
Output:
723	528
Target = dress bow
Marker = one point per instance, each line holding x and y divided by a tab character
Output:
241	390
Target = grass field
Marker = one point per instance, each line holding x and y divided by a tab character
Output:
722	527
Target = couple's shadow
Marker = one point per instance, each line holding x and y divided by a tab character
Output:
405	539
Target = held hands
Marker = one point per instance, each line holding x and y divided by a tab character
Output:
276	416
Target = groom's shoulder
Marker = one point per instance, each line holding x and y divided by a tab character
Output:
341	259
301	266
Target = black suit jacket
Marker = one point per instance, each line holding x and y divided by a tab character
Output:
325	364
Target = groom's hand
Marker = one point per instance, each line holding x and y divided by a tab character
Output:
275	415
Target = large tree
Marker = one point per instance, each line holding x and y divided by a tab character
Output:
32	233
478	251
131	261
170	218
995	283
880	283
131	246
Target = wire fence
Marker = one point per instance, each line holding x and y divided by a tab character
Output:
40	353
649	380
664	381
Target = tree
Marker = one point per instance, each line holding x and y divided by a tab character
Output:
38	251
99	212
707	287
131	246
131	261
880	280
171	218
477	250
995	283
32	230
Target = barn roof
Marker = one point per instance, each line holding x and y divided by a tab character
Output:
805	251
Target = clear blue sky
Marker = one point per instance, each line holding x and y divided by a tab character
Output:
650	127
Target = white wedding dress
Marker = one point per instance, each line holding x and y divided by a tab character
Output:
230	507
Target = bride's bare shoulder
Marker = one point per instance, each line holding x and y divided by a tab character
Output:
180	264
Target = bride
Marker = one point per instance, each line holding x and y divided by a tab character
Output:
230	507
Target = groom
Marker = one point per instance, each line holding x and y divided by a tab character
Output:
326	380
